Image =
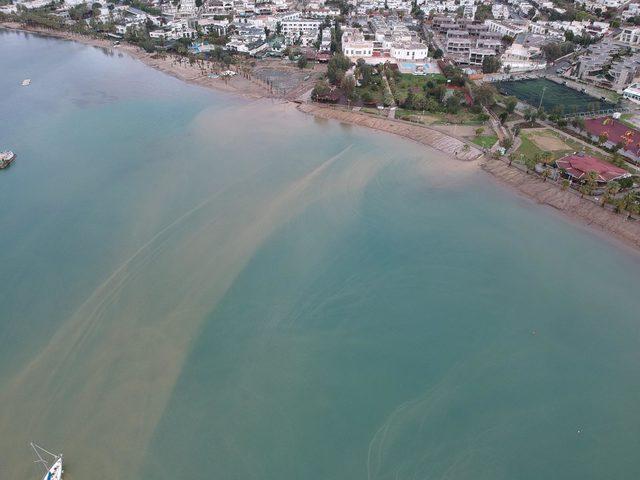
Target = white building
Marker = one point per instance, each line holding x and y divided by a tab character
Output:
302	26
477	55
409	51
325	41
630	36
500	11
504	28
632	92
355	46
518	58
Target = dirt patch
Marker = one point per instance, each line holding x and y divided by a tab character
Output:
467	131
547	142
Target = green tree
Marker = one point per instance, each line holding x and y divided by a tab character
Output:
320	89
547	158
336	67
545	174
79	12
610	192
590	183
348	86
530	115
387	99
409	101
491	64
603	138
367	97
452	104
542	115
507	143
633	209
483	13
365	72
485	94
508	40
302	61
578	123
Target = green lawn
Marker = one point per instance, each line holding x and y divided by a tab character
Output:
463	117
373	90
485	141
415	82
527	149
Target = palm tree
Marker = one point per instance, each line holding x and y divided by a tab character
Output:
603	138
530	115
591	182
611	191
633	209
613	187
629	203
565	184
584	190
545	174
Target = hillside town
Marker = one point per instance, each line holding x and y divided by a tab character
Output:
552	87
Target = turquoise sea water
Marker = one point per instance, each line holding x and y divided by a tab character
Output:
198	286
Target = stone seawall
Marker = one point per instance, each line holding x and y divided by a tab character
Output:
567	202
421	134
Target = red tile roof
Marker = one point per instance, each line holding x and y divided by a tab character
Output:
578	165
616	132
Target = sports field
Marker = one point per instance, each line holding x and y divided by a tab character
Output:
557	98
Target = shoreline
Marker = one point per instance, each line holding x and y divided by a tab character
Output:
173	65
581	211
571	206
424	135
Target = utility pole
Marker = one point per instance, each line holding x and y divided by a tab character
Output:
541	97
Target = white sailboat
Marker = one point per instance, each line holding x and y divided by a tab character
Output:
53	470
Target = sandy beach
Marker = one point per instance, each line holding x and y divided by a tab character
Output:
179	67
568	203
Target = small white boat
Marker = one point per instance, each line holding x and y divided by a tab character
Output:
6	158
54	470
26	82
